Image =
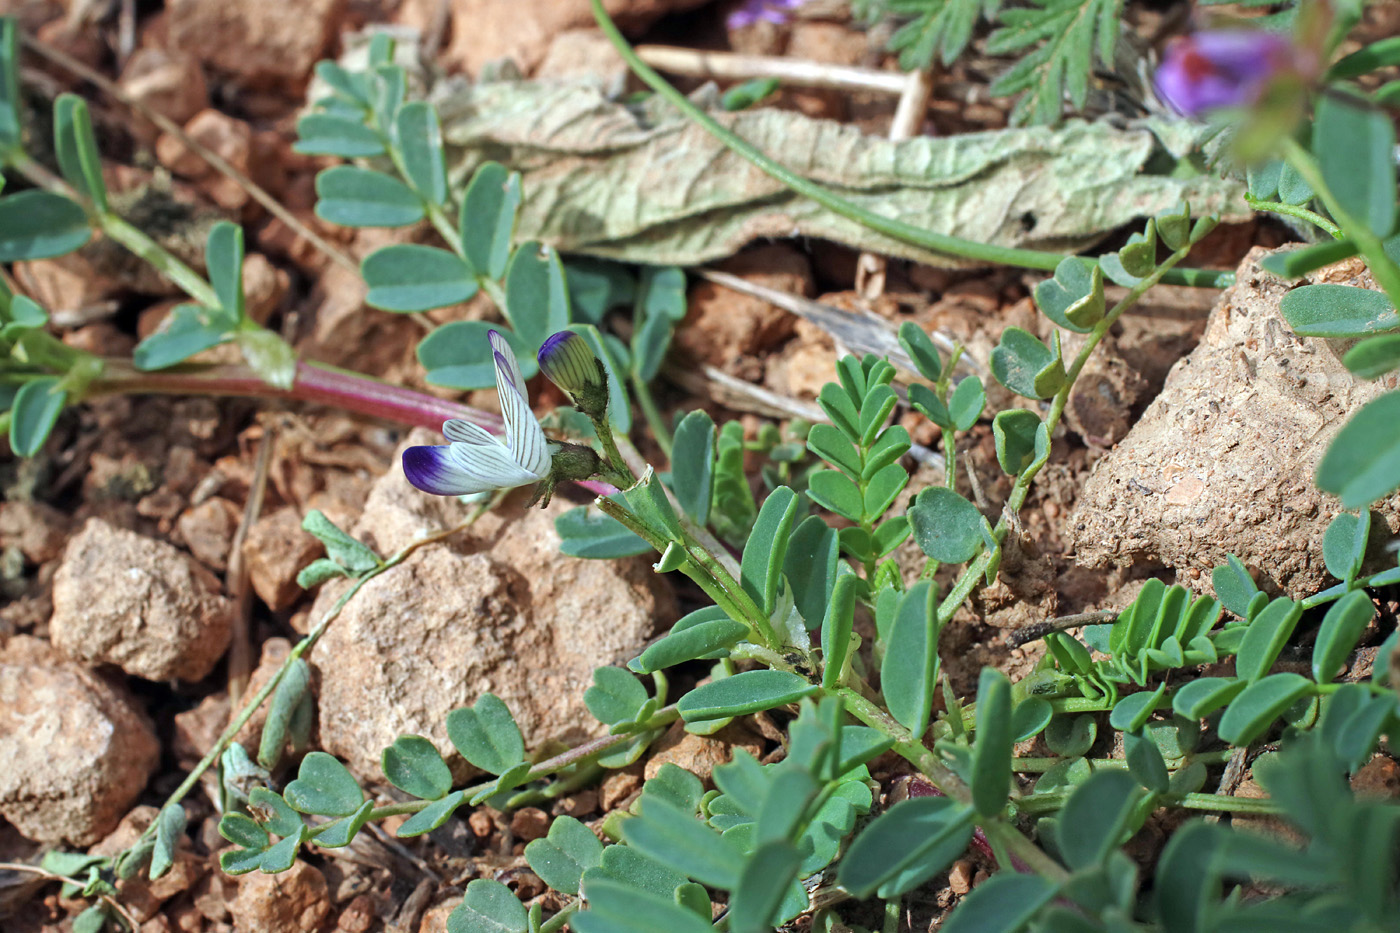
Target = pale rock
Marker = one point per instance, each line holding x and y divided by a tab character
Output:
37	529
435	917
293	901
264	286
167	80
77	751
141	604
64	284
729	329
582	55
274	552
488	30
494	609
207	530
263	46
699	754
1222	462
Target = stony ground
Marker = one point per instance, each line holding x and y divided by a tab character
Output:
148	556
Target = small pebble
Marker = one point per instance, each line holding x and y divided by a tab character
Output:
529	823
960	877
481	824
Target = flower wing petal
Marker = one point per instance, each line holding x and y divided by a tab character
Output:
524	436
493	465
435	470
464	432
507	367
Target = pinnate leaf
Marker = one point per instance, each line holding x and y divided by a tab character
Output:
34	412
38	224
946	526
357	197
1341	628
410	277
1330	310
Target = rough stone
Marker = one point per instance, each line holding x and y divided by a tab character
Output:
275	551
495	609
726	328
582	55
38	530
293	901
143	605
208	529
699	754
76	750
1222	462
488	30
263	46
435	917
141	896
168	80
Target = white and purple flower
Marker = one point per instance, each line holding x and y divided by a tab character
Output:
477	461
767	11
1225	68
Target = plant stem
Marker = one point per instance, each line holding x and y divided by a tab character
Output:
1385	271
301	648
652	413
702	567
911	749
1301	213
975	570
315	382
906	233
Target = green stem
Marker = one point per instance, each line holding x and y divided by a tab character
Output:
652	413
189	281
1386	272
617	464
911	749
975	570
556	923
301	648
1041	765
704	570
907	233
1294	210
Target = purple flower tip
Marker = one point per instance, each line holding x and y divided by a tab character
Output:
1227	68
753	11
568	361
431	470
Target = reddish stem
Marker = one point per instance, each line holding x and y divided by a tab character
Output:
315	382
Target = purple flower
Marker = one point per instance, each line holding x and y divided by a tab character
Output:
568	361
476	461
1228	68
753	11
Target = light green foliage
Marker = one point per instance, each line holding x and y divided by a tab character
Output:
812	543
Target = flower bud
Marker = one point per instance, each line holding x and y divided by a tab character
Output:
1226	68
568	361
